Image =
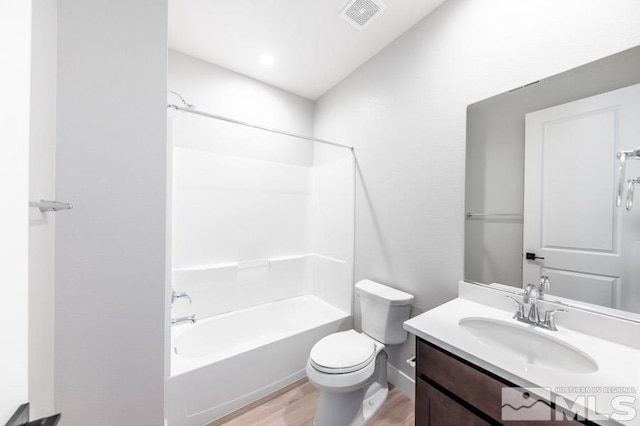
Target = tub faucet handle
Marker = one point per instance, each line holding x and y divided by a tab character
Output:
178	295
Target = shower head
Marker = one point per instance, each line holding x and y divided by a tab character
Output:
185	103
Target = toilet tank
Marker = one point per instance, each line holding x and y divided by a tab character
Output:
383	310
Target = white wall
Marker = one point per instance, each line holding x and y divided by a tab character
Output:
111	248
15	57
41	225
404	110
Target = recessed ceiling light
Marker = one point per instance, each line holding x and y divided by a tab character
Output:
267	59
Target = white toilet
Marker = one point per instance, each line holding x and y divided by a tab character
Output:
350	368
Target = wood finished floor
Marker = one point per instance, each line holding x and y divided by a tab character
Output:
296	407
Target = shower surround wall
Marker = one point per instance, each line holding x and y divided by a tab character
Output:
240	223
257	217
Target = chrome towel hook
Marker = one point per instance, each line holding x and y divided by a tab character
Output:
630	188
623	156
50	206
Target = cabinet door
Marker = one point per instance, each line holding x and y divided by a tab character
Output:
436	409
470	384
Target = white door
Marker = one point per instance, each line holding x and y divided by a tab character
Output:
571	222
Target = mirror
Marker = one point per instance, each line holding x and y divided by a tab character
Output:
565	131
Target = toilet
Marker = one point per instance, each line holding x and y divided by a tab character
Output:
350	368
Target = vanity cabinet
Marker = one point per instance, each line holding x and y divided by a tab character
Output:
452	392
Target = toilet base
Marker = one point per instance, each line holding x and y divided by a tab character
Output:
354	408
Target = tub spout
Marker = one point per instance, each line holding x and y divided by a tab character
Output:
180	320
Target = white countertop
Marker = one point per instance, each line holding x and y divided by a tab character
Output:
618	365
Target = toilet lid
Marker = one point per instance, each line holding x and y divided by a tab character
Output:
343	352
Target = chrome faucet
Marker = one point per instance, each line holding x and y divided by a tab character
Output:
175	296
530	297
190	318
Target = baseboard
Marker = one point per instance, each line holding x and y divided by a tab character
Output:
402	381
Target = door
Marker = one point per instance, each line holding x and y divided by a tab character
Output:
571	222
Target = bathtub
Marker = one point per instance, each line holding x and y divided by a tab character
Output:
225	362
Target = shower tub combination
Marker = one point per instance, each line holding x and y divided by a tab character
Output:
225	362
262	234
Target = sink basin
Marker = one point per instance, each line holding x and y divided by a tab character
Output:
528	344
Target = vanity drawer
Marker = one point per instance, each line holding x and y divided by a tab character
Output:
468	383
473	387
436	409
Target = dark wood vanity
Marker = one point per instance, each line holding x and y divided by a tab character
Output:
451	391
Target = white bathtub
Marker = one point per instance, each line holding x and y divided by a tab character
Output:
222	363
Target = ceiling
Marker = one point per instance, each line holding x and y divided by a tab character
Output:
311	46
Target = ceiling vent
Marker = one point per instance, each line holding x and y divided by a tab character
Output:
360	13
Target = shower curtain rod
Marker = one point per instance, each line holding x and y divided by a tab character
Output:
243	123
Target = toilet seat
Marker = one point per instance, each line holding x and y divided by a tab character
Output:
342	353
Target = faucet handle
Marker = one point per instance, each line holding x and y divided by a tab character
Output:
177	295
545	284
520	308
550	319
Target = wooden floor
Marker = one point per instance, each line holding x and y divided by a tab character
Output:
297	405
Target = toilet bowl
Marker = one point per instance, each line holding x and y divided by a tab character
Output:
350	368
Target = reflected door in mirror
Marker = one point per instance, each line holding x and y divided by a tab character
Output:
571	222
